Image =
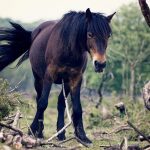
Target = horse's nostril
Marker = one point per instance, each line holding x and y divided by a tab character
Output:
96	63
99	65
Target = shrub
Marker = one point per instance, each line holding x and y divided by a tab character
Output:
8	101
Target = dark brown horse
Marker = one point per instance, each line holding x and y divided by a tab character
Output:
58	51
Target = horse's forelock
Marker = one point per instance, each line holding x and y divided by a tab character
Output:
100	26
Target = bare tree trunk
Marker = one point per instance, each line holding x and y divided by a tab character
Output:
123	79
145	11
132	82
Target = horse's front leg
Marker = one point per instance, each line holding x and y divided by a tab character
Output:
37	125
77	110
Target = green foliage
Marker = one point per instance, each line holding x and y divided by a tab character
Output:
8	101
130	49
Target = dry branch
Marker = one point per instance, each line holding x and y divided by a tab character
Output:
146	95
138	131
64	141
124	144
12	128
145	11
121	128
16	119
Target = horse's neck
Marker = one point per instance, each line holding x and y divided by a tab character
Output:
74	60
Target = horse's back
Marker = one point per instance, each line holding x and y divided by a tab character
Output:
37	51
42	27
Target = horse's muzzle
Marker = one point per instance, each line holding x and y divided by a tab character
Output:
99	66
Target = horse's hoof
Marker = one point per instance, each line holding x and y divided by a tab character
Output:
61	137
84	140
36	134
39	135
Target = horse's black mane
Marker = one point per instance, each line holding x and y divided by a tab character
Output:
74	28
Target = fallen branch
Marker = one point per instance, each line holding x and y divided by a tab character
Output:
104	146
12	128
64	141
121	128
138	131
124	144
146	147
81	142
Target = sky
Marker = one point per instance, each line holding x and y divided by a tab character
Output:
33	10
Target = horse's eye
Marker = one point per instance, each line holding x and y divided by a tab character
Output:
89	35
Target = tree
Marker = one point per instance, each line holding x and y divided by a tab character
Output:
130	44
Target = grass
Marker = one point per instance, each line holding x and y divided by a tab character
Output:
104	119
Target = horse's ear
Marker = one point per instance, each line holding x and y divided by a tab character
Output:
110	17
88	14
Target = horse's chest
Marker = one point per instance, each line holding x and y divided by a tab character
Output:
64	73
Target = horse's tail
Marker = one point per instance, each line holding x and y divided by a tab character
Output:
14	42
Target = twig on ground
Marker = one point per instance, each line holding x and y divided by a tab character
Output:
138	131
121	128
16	119
81	142
12	128
146	147
104	146
69	139
68	114
124	144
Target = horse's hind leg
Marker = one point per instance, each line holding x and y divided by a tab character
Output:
61	109
38	84
37	125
